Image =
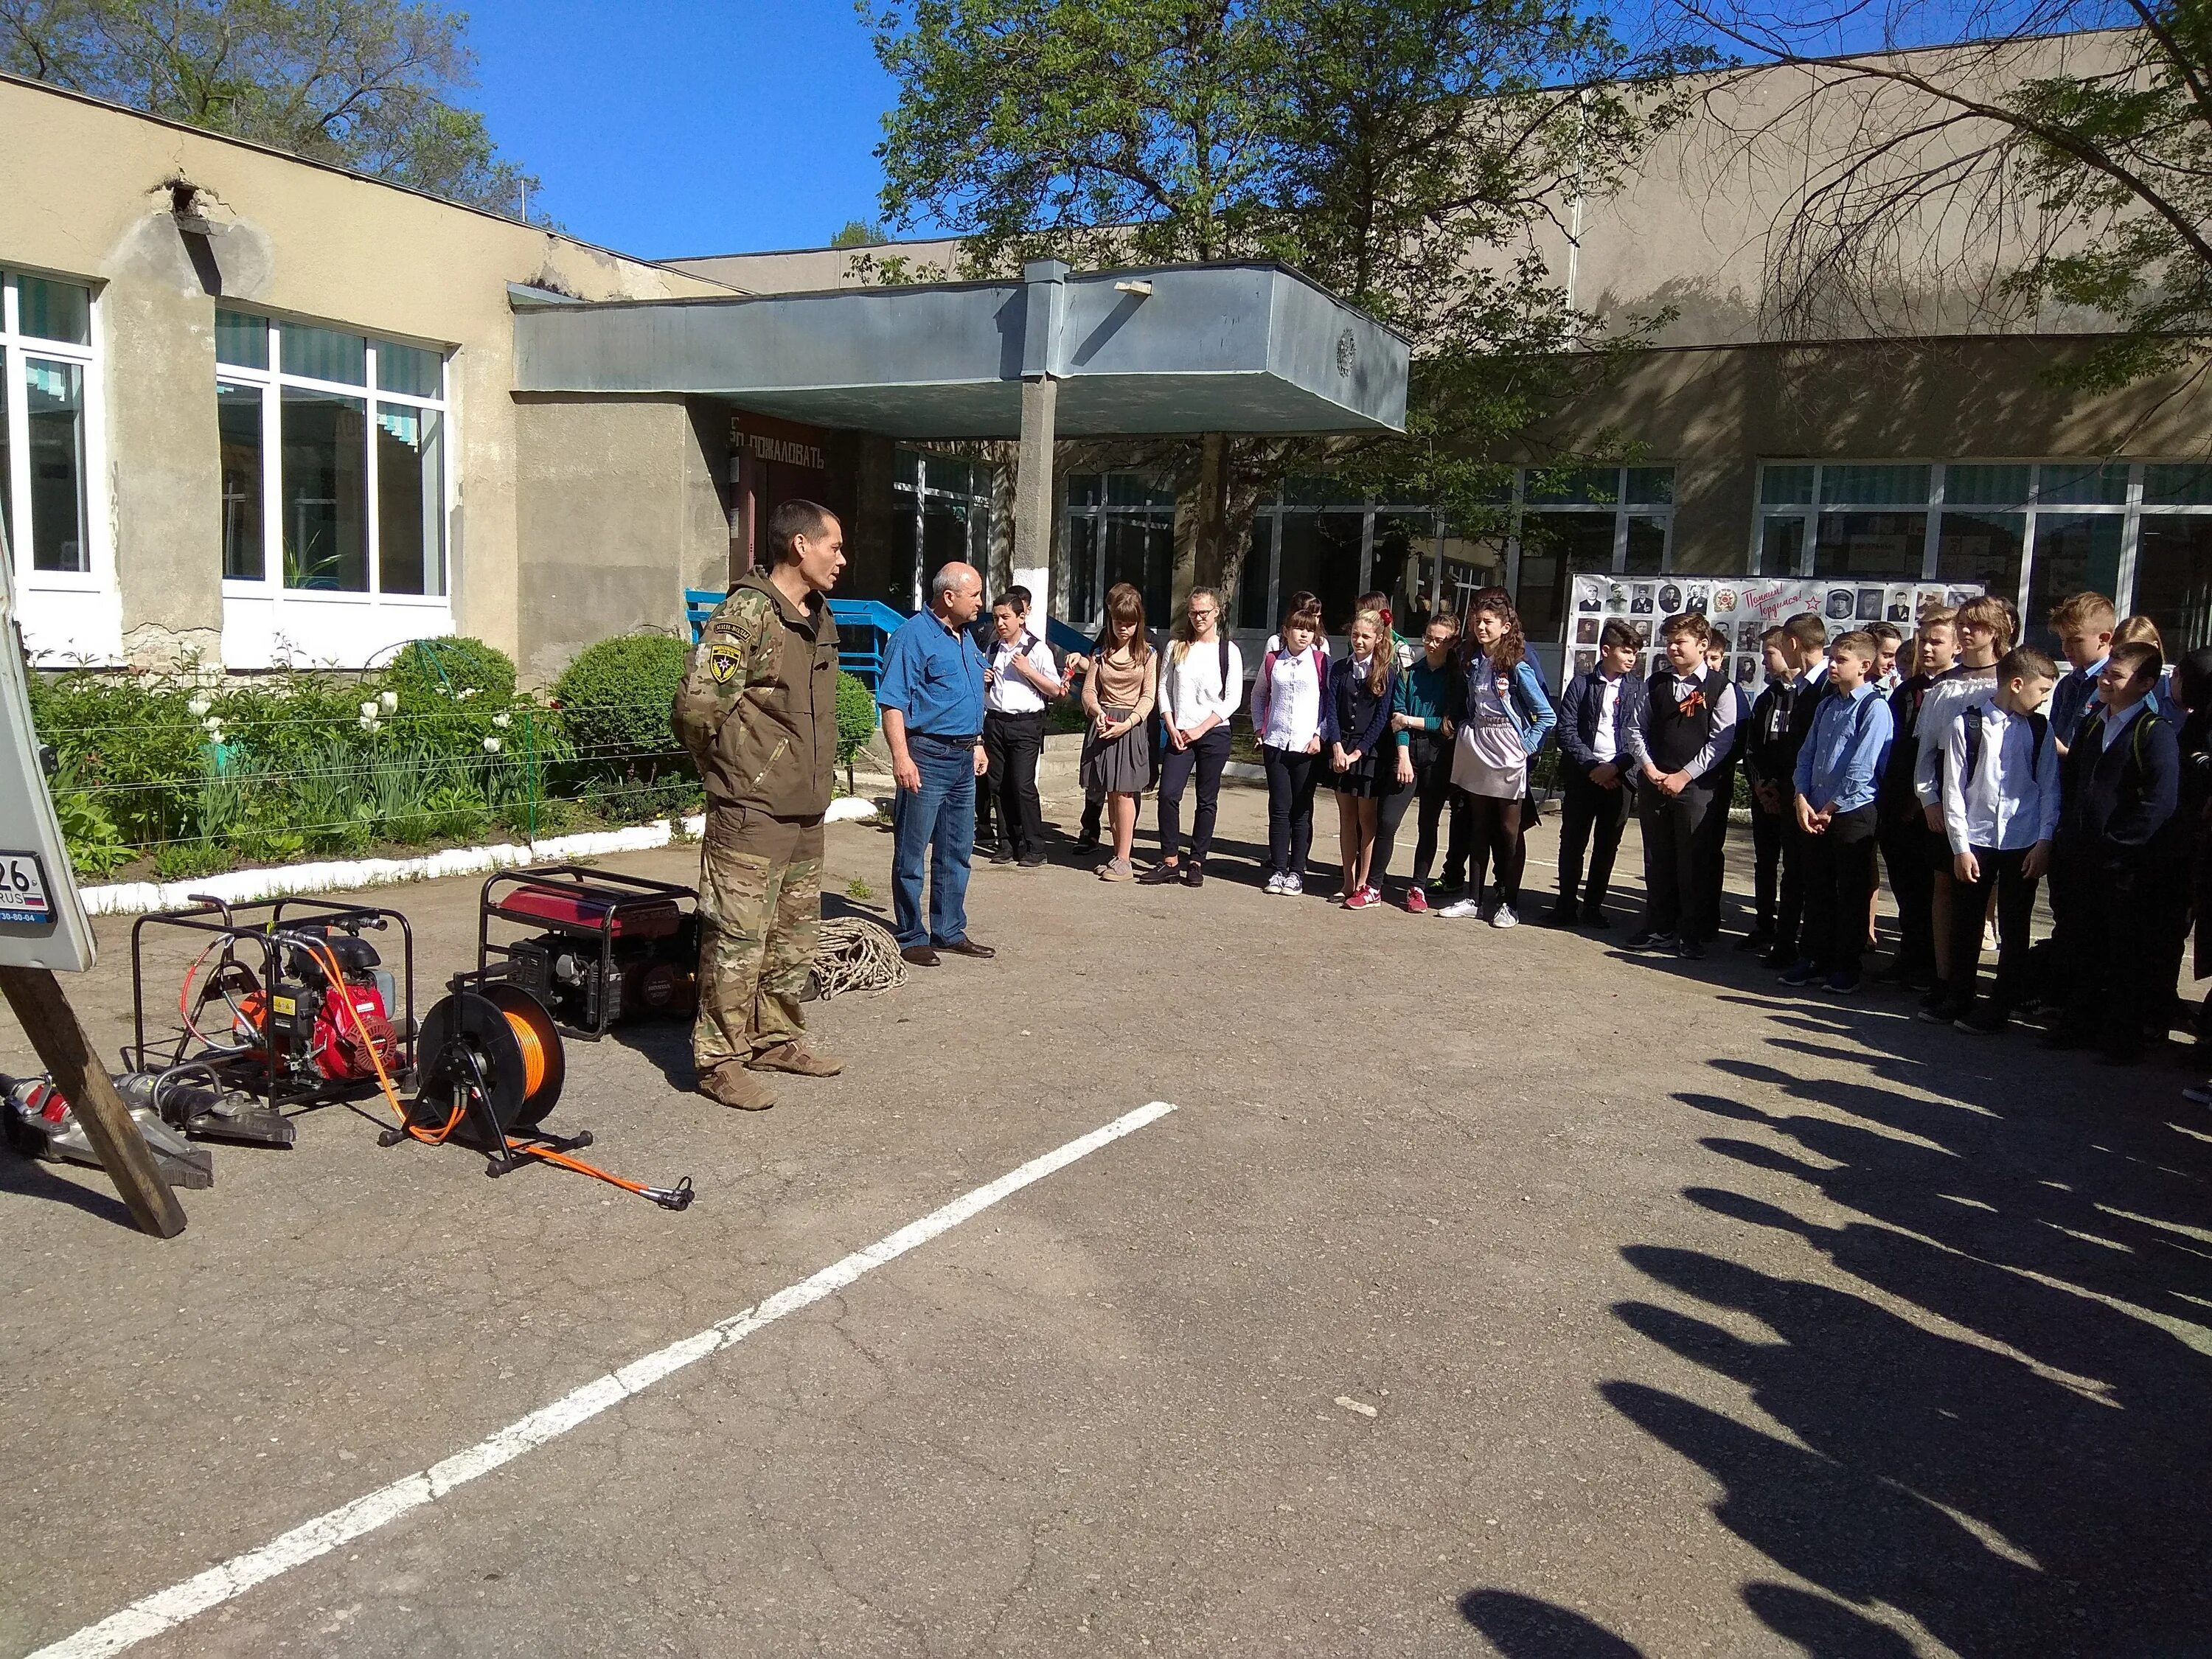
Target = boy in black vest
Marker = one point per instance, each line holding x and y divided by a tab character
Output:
1805	642
2121	782
1901	830
1768	765
2000	791
1596	776
1686	727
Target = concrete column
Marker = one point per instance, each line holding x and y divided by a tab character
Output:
1044	302
1033	494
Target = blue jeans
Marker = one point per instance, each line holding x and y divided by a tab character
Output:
941	816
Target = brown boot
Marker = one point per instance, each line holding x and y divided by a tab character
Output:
733	1084
800	1062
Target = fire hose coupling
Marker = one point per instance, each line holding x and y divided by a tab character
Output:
678	1197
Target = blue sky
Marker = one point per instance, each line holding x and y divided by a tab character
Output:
670	127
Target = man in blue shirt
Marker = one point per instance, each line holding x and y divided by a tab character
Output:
932	697
1836	771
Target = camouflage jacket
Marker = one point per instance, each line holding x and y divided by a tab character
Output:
758	707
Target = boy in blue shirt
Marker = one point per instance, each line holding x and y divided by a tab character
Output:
1836	771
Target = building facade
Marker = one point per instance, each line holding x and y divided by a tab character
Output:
260	412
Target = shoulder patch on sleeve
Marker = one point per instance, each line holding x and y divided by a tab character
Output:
740	619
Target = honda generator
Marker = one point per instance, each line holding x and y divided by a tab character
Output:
285	1004
610	946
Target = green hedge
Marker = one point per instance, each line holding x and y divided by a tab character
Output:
200	773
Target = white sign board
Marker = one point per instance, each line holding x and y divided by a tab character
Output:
42	919
1741	609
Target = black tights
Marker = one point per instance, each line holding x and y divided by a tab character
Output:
1488	833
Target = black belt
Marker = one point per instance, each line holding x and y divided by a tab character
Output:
972	738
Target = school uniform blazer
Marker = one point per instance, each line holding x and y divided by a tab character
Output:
1579	707
1337	710
1768	756
2118	802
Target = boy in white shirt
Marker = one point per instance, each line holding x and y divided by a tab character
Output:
1018	680
2000	803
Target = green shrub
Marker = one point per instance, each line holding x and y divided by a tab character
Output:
615	700
433	669
96	848
856	716
188	861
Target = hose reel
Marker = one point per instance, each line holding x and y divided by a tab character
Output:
490	1070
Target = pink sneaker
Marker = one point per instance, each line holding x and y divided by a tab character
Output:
1417	902
1364	899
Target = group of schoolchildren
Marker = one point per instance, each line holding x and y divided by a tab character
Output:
1974	770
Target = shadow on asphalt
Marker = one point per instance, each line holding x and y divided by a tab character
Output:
28	1179
2001	1429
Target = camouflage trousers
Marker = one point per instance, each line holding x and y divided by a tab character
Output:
760	913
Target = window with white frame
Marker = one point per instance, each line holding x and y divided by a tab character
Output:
334	459
941	511
46	353
2032	531
1549	524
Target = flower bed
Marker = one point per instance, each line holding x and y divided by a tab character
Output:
173	777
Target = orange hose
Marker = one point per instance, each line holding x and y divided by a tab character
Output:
531	1050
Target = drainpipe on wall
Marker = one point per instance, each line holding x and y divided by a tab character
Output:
1046	306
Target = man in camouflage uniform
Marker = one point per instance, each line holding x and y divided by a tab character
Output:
759	711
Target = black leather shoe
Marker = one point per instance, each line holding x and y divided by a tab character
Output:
967	947
1561	915
1194	874
920	956
1160	875
1690	948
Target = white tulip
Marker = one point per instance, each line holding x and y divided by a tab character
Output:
369	709
391	701
214	725
491	745
199	706
369	721
503	721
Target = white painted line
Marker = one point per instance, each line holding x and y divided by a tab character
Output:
165	1609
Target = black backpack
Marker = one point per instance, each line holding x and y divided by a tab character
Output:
2037	724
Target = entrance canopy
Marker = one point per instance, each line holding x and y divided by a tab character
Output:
1178	349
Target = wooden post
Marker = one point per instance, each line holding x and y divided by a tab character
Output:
52	1024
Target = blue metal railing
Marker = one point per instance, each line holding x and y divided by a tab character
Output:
1061	637
865	628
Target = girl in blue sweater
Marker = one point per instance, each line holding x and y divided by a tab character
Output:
1508	714
1363	764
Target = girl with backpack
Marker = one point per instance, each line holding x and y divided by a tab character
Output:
1364	763
1508	716
1286	716
1201	682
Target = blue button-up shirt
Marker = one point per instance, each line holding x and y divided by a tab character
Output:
933	675
2071	700
1843	752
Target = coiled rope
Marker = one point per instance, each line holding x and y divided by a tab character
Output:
856	954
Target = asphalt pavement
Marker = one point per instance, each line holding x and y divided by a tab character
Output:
1486	1291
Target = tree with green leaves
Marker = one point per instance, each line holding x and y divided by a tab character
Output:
2072	138
366	84
1410	154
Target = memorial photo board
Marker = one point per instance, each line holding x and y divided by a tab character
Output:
1741	609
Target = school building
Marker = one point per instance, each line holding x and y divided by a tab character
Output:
259	410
